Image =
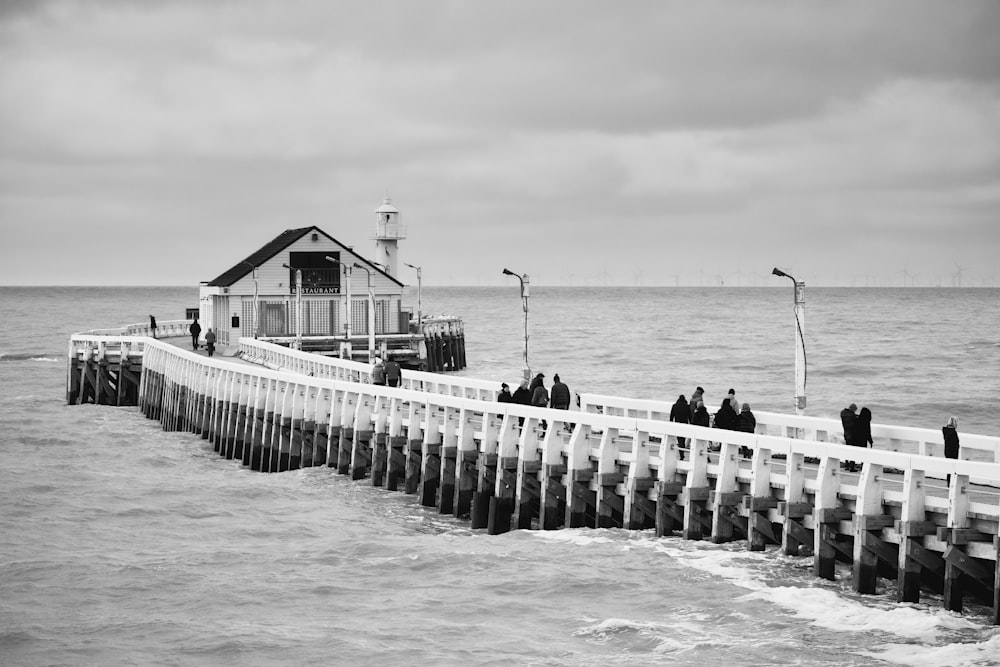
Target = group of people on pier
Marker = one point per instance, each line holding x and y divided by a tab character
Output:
386	372
730	416
534	393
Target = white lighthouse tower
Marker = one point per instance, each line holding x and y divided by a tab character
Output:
388	232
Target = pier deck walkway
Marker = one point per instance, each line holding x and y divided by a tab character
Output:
910	515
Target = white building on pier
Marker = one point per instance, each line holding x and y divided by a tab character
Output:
343	294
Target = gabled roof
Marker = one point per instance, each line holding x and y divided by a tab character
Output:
272	248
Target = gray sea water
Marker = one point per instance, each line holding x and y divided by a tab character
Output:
121	544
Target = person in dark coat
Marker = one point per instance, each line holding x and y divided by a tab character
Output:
747	424
700	417
862	434
540	397
393	373
535	381
950	433
951	446
505	396
863	429
680	412
522	396
195	330
559	396
732	401
698	395
210	341
152	325
726	417
848	418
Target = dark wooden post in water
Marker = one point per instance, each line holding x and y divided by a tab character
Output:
697	520
380	440
486	468
869	521
361	450
527	490
396	461
724	498
414	447
466	460
501	510
430	462
449	460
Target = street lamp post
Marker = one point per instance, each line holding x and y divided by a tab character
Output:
298	305
801	372
525	286
419	281
371	311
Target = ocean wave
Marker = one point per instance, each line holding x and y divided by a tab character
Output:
32	356
824	607
959	653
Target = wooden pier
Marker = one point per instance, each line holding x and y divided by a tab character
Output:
926	522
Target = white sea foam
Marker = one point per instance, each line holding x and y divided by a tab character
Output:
822	607
955	655
677	635
578	536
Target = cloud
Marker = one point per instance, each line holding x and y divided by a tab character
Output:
697	136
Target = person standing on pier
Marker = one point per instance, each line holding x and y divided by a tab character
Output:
560	396
378	372
951	446
698	395
505	396
848	418
540	397
680	412
210	342
726	417
700	415
748	424
863	429
392	373
522	396
152	325
195	330
950	433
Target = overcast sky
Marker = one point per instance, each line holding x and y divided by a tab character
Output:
652	143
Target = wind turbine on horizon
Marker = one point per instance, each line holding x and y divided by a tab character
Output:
958	273
907	275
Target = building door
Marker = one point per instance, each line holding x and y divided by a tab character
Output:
274	319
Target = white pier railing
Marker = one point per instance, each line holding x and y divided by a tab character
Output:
927	442
923	441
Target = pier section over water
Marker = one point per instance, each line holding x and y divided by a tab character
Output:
916	519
